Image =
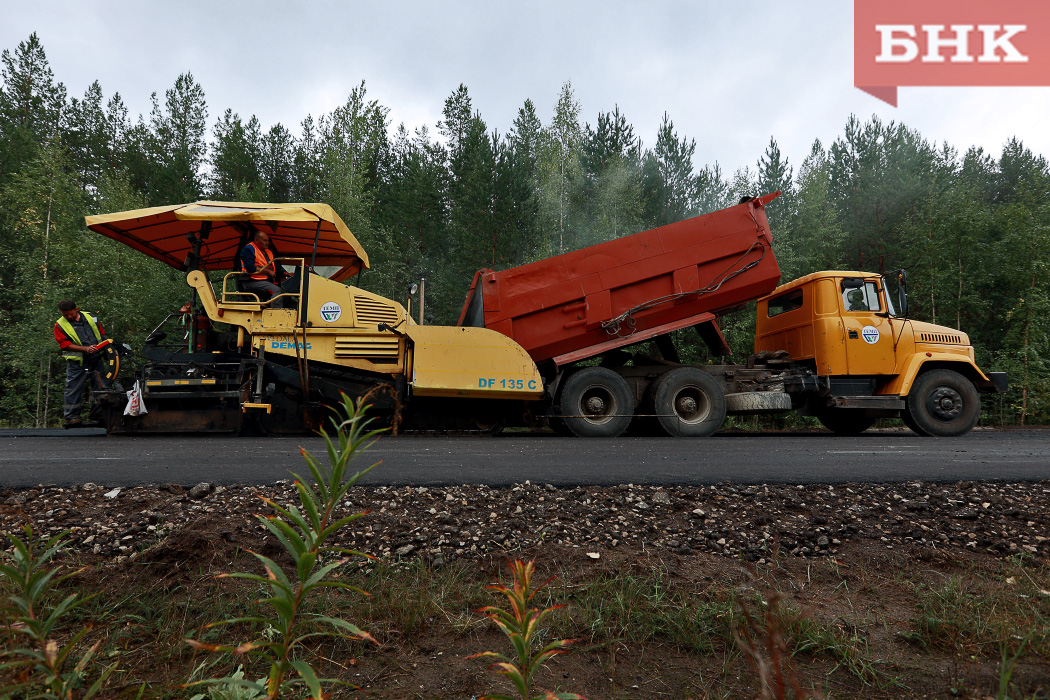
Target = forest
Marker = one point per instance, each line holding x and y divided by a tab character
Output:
972	229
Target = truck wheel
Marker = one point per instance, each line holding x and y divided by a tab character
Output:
596	402
913	425
688	402
845	421
942	403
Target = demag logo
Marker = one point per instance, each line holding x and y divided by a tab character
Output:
949	42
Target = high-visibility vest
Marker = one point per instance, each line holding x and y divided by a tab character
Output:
263	259
67	328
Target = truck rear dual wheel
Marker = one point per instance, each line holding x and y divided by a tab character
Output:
595	402
942	403
688	402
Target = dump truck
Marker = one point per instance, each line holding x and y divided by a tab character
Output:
557	342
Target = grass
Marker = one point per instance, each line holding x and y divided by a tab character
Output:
993	618
642	607
985	616
412	600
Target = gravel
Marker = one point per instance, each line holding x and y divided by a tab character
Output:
441	524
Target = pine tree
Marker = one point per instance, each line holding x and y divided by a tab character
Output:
457	120
609	191
178	140
525	136
712	190
877	172
89	136
1023	217
812	238
307	157
471	167
669	185
236	159
350	141
411	209
774	175
31	103
278	163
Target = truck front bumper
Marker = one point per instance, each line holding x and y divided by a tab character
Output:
1000	381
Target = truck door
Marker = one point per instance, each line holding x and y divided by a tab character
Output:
869	337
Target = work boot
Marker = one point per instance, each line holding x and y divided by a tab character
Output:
73	423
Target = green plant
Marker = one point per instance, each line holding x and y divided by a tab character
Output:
303	532
45	668
521	624
231	691
1006	668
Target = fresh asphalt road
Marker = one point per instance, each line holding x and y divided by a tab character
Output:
31	457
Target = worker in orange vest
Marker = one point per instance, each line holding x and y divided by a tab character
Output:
265	274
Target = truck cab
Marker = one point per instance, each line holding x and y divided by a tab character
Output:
869	360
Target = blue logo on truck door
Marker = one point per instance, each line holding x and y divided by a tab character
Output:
870	334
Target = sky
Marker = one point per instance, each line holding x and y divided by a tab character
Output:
729	75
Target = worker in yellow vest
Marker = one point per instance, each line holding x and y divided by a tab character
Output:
80	336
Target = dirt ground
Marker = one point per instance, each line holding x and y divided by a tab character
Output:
856	591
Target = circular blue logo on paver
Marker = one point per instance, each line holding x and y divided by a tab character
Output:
331	312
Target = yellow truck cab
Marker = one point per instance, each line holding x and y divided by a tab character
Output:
868	360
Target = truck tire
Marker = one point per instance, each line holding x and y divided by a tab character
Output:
845	421
942	403
596	402
913	425
751	403
688	402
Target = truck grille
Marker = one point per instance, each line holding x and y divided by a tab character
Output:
371	312
381	348
940	338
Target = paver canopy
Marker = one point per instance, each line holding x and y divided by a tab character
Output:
161	233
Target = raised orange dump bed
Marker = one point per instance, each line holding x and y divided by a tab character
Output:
576	305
